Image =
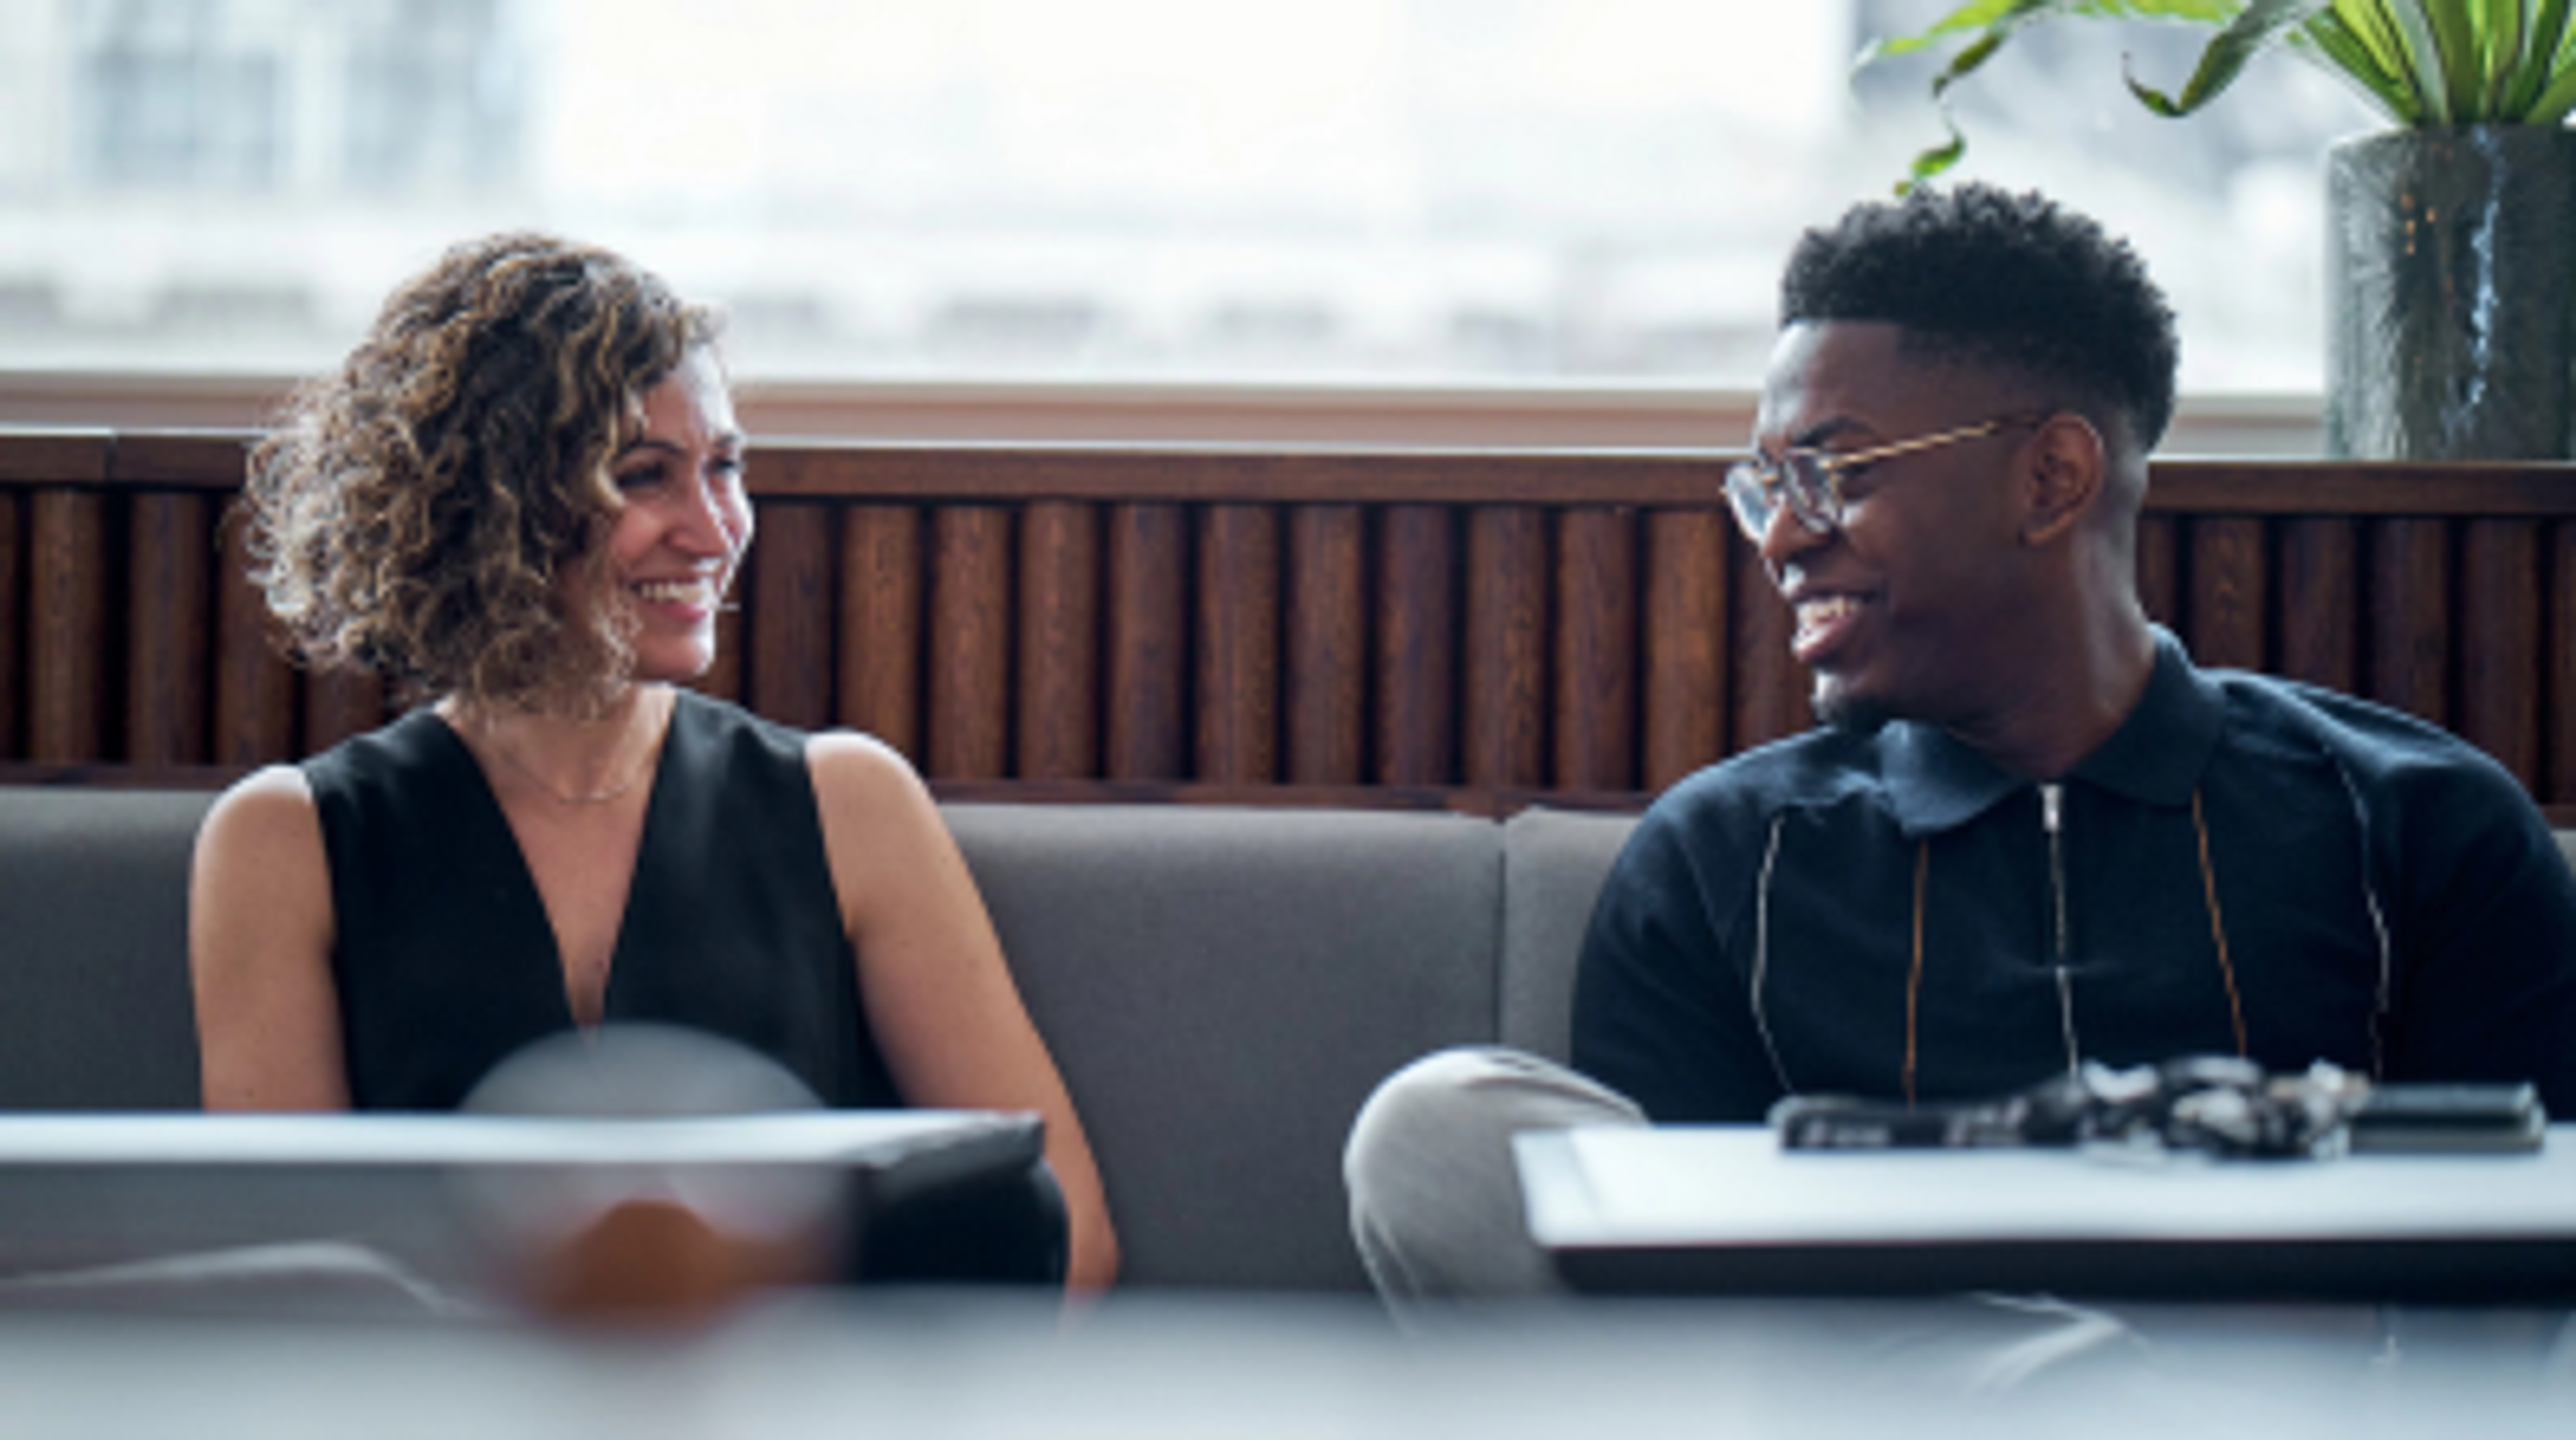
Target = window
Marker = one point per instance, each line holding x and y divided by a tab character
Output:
1432	193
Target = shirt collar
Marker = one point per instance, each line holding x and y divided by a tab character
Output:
2156	757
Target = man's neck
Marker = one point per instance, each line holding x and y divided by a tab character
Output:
2073	697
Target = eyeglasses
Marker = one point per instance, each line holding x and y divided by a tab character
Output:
1811	480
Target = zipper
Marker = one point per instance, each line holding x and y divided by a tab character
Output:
2052	818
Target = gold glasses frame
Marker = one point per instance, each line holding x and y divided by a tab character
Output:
1810	480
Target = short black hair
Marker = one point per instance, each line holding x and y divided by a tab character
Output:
1983	275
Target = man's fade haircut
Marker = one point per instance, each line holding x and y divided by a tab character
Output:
2015	281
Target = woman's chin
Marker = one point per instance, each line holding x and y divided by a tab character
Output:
673	665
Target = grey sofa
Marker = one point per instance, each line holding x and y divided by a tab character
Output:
1221	987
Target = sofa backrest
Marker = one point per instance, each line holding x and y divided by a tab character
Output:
1553	865
1222	988
95	1012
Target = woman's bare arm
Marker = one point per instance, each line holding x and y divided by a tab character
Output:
259	951
947	1015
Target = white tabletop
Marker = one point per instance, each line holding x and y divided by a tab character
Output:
1705	1191
37	1142
81	1190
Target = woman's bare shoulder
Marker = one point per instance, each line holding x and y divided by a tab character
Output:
273	802
848	765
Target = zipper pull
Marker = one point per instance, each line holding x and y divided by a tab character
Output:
2052	818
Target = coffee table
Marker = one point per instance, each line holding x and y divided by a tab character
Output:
1724	1210
434	1192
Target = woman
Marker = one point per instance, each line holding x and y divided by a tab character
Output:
522	499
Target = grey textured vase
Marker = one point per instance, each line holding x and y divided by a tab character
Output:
2449	278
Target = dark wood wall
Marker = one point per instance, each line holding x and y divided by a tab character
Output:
1393	627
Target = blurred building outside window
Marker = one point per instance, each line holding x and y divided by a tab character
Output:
1533	203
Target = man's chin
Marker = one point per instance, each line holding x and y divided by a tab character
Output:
1835	705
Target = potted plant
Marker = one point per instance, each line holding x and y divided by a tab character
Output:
2449	288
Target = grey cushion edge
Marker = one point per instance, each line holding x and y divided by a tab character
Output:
1553	864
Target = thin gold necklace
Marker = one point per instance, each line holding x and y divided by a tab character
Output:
619	791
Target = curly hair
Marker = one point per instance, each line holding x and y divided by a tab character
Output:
419	513
2018	282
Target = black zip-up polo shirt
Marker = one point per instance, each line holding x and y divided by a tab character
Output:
2247	865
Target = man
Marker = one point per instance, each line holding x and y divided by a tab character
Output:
2030	833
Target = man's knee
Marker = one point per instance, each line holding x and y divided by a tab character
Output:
1435	1201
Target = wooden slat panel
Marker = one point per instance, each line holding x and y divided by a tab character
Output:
13	623
69	647
2356	487
2499	643
1679	478
37	458
1059	690
1596	650
1416	646
1685	642
2365	591
1238	645
2228	588
165	685
2410	608
734	625
2160	570
912	472
789	665
1504	716
1148	643
2318	627
1326	669
2561	712
1771	689
172	460
970	641
254	722
339	704
1180	474
881	631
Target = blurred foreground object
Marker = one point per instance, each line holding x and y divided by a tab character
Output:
654	1243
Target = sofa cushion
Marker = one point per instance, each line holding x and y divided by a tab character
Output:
1553	864
1222	988
95	1012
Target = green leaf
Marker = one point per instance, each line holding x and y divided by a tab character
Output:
1932	162
2456	40
2368	25
2328	43
1993	22
2556	100
2419	60
2256	27
2544	34
1966	18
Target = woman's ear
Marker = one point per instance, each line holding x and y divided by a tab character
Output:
2063	472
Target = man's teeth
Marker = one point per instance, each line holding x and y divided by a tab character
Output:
1815	613
674	592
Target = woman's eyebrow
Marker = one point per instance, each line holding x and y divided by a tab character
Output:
721	440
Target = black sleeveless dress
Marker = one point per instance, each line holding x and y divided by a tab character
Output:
446	963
